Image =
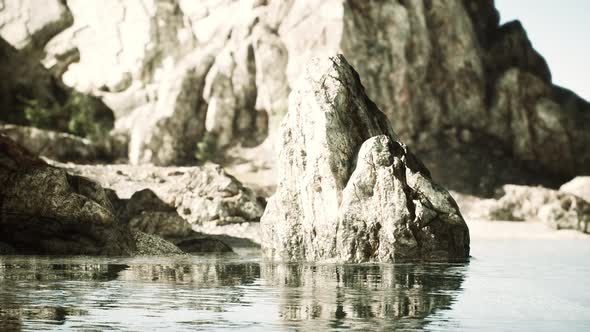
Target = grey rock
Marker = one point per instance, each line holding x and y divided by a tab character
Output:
204	245
557	209
201	195
348	189
51	144
45	210
169	132
162	224
149	245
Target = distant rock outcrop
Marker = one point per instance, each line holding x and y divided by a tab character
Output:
557	209
348	189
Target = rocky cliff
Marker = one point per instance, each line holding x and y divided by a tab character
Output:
472	97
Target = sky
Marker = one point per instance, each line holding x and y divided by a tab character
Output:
560	32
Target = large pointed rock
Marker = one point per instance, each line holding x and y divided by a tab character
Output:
348	189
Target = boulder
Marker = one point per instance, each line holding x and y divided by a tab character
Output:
204	245
348	189
201	195
153	219
579	186
559	210
46	210
149	245
51	144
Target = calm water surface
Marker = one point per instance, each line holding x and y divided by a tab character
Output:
508	286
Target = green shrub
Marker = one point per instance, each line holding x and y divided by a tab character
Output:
207	147
80	115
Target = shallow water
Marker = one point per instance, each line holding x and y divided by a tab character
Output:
508	285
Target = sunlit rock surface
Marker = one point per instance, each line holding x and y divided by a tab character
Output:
200	195
348	189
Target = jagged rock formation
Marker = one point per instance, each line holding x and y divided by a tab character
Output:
45	210
200	195
348	189
559	210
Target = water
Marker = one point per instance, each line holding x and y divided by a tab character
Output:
509	285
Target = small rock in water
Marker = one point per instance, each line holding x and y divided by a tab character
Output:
153	245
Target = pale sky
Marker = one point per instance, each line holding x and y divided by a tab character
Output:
560	32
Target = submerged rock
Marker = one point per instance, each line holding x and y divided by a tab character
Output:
348	189
559	210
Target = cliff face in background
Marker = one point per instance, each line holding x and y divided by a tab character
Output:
472	98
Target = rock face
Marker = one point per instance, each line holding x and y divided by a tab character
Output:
47	211
348	189
557	209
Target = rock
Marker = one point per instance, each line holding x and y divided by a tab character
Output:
348	189
45	210
170	131
162	224
204	245
147	214
51	144
579	186
201	195
557	209
149	245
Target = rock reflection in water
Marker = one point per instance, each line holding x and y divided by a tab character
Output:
184	293
348	295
